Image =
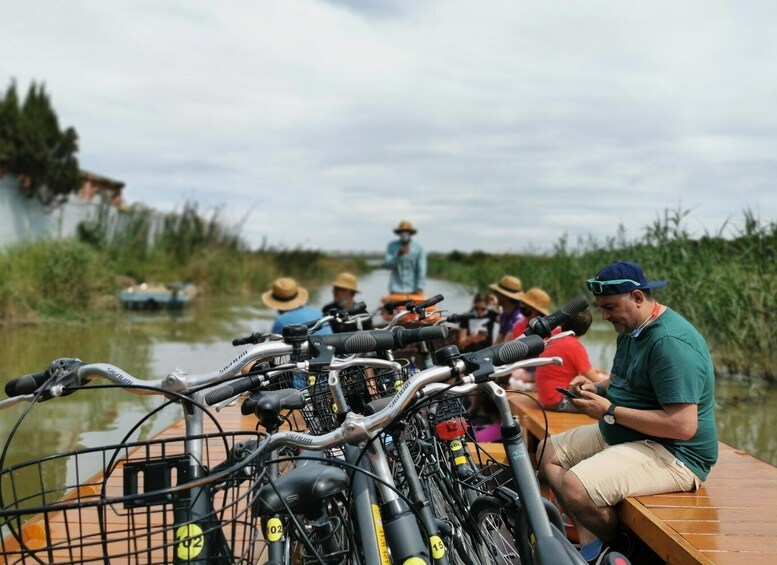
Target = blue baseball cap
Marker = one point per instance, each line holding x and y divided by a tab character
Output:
620	278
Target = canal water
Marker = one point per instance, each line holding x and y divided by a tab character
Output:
150	345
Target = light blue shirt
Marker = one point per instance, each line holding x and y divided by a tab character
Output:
299	316
408	271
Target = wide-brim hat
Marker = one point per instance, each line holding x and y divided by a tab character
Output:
404	225
347	281
536	298
508	286
285	294
620	278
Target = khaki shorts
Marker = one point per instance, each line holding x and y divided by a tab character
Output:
612	473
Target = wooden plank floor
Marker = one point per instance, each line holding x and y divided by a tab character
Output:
730	521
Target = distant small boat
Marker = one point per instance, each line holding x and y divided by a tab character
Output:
155	296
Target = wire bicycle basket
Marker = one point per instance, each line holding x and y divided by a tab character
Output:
131	503
360	386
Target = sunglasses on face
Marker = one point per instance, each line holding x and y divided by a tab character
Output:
597	287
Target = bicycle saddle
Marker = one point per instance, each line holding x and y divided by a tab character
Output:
303	489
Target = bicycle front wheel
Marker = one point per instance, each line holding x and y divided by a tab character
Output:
497	533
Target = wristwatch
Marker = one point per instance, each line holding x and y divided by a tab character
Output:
609	416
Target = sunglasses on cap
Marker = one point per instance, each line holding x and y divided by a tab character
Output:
597	287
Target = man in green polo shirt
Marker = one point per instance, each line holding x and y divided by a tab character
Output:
656	430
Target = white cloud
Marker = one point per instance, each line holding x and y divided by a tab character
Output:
336	119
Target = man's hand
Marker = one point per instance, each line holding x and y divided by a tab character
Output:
581	382
590	403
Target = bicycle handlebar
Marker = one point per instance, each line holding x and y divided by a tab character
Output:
26	384
515	350
436	299
358	342
360	427
404	337
254	338
544	325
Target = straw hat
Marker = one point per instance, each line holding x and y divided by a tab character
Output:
508	286
285	295
347	281
404	225
537	299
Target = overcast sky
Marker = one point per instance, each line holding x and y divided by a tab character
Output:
490	125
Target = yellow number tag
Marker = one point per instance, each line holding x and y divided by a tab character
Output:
274	529
438	547
189	541
455	445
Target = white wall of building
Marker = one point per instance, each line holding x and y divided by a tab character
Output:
25	219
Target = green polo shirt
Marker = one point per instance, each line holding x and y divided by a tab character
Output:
668	363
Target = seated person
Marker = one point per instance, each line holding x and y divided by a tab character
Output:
506	291
344	289
576	362
289	299
532	303
477	333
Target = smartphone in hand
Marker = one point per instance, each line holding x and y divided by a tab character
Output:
568	393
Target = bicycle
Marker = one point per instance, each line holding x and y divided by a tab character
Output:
540	540
192	471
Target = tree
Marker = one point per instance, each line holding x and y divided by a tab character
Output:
9	126
33	146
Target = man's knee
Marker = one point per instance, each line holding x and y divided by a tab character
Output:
545	453
541	454
575	493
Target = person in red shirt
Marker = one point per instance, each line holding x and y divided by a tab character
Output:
532	303
576	362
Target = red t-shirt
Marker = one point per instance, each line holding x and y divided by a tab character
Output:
519	327
576	361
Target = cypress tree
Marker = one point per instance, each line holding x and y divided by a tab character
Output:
33	145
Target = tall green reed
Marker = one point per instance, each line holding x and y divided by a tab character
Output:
726	286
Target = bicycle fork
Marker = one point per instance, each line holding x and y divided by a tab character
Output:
436	529
400	525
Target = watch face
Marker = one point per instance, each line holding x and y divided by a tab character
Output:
609	418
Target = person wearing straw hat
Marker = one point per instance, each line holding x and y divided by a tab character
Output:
344	289
656	413
289	299
407	261
507	291
532	303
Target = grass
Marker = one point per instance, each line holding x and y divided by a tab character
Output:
726	286
71	278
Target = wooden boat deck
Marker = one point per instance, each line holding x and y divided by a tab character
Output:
729	521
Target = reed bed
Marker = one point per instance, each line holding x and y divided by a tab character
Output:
726	286
68	278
